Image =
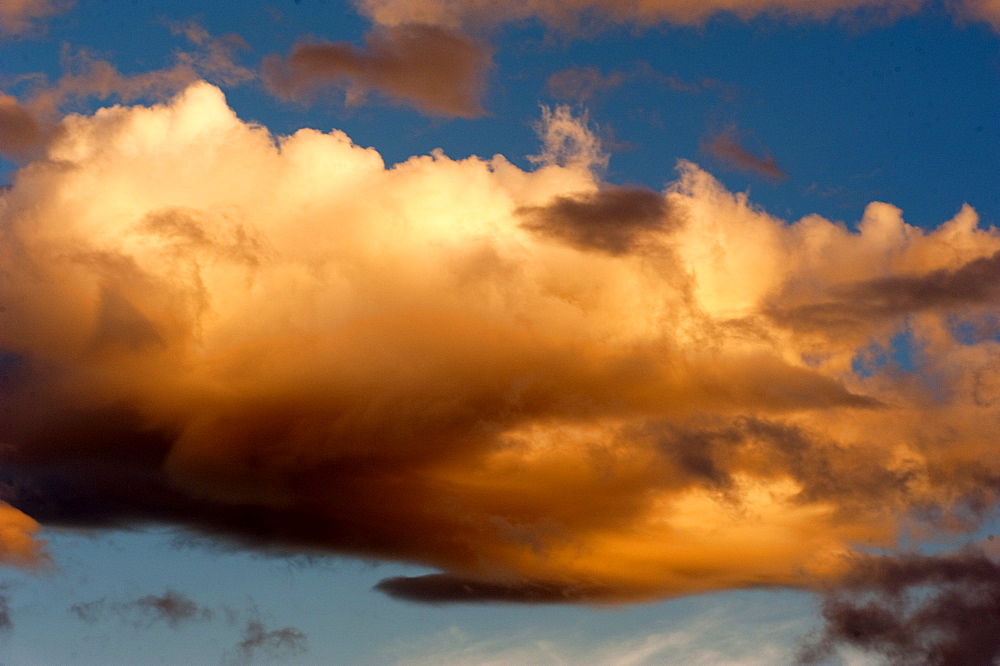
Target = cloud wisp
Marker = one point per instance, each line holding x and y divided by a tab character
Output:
543	385
726	147
172	607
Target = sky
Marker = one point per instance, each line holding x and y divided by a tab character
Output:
465	332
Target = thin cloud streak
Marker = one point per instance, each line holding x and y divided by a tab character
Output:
726	147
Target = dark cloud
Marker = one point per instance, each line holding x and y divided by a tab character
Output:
171	607
726	147
447	588
941	610
611	220
973	285
270	644
433	69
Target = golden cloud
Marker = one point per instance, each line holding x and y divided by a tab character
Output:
543	385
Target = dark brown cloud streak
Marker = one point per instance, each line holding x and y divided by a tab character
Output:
547	387
726	147
434	69
611	220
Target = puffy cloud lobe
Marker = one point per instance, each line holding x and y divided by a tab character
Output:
915	609
284	344
431	68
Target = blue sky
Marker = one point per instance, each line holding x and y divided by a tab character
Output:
634	342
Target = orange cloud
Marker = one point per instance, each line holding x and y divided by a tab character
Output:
543	385
431	68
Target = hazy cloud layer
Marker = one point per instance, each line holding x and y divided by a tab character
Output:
431	68
570	14
536	382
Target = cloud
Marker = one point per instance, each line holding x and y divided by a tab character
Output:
31	122
19	543
444	588
914	609
171	607
538	383
726	147
987	11
454	13
431	68
271	643
18	15
611	220
21	132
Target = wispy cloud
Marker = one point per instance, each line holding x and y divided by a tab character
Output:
726	147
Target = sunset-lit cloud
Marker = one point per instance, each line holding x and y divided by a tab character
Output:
534	381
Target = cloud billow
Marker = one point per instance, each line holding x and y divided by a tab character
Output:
545	386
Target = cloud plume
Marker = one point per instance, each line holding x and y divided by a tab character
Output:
543	385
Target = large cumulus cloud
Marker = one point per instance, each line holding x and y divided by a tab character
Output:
545	386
